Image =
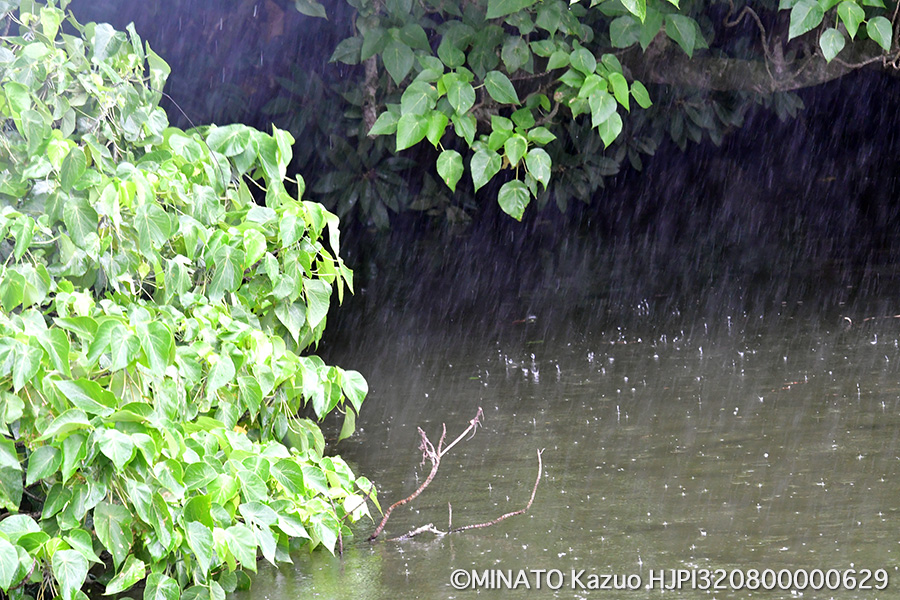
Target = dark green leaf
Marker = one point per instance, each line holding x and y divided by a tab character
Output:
683	30
640	94
398	60
501	8
310	8
500	88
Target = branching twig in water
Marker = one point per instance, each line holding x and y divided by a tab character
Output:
432	529
429	452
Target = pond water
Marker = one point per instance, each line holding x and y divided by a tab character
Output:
714	445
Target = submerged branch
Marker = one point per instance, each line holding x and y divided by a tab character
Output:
430	528
429	452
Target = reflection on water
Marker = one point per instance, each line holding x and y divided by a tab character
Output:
771	443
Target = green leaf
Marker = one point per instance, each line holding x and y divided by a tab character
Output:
805	16
831	42
485	164
70	570
385	124
310	8
318	299
515	53
879	29
112	523
348	51
411	130
583	60
9	563
242	544
640	94
80	218
398	59
228	271
42	463
159	346
161	587
515	148
71	420
540	135
56	343
624	31
132	571
464	125
501	8
636	7
288	473
221	374
558	60
683	31
852	15
116	446
603	106
437	124
450	168
500	88
230	140
419	98
200	540
354	385
538	162
73	167
620	88
88	396
461	96
609	129
514	198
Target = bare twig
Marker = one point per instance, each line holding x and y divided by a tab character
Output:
430	528
429	452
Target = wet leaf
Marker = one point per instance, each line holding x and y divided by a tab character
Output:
500	88
832	42
683	31
501	8
485	164
879	29
450	168
539	165
805	16
514	198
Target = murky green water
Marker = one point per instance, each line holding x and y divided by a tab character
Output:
744	443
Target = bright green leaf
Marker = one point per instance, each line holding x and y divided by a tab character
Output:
805	16
450	168
879	29
539	163
485	164
514	198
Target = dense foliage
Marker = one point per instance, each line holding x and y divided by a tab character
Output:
526	92
159	288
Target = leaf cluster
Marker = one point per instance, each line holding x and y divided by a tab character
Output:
156	310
